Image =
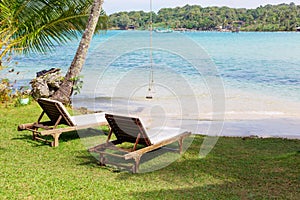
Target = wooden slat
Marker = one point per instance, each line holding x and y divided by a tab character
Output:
72	128
142	151
118	164
23	127
57	130
111	154
54	110
42	126
127	128
107	145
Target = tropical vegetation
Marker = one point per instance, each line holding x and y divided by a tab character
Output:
37	26
282	17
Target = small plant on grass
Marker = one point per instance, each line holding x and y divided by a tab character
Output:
5	91
22	96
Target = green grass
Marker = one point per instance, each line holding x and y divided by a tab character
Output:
235	169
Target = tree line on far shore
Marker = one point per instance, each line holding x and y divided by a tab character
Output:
282	17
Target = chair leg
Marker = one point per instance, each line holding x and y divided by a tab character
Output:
135	167
180	142
34	134
55	139
102	160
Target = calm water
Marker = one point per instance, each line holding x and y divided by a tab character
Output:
244	75
268	62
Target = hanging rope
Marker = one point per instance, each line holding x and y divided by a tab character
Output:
151	78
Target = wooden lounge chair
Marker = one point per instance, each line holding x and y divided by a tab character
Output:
131	129
58	115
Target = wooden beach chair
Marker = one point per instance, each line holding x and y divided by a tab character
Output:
131	129
58	115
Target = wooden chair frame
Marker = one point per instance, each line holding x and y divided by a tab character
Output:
58	115
138	135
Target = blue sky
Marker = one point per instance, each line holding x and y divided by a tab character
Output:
111	6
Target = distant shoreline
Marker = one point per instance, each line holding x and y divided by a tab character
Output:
281	17
193	30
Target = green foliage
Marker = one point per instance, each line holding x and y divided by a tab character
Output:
36	26
78	84
5	91
22	96
10	96
122	20
22	101
282	17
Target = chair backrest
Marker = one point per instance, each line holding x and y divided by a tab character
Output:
54	109
127	128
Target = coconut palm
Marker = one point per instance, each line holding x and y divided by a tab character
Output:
65	91
36	26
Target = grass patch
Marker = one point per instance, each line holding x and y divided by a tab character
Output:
235	169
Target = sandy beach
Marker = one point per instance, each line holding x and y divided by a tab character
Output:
243	114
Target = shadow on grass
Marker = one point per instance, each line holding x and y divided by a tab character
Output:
93	162
88	160
151	161
237	171
3	149
64	137
205	192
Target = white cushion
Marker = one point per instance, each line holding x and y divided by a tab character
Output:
159	134
81	120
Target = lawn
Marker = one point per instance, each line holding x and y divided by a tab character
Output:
235	169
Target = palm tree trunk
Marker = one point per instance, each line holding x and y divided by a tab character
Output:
64	93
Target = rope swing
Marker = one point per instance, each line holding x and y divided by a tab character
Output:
151	78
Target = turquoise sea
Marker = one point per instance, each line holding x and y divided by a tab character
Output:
249	80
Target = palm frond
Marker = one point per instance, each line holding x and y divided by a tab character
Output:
37	25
